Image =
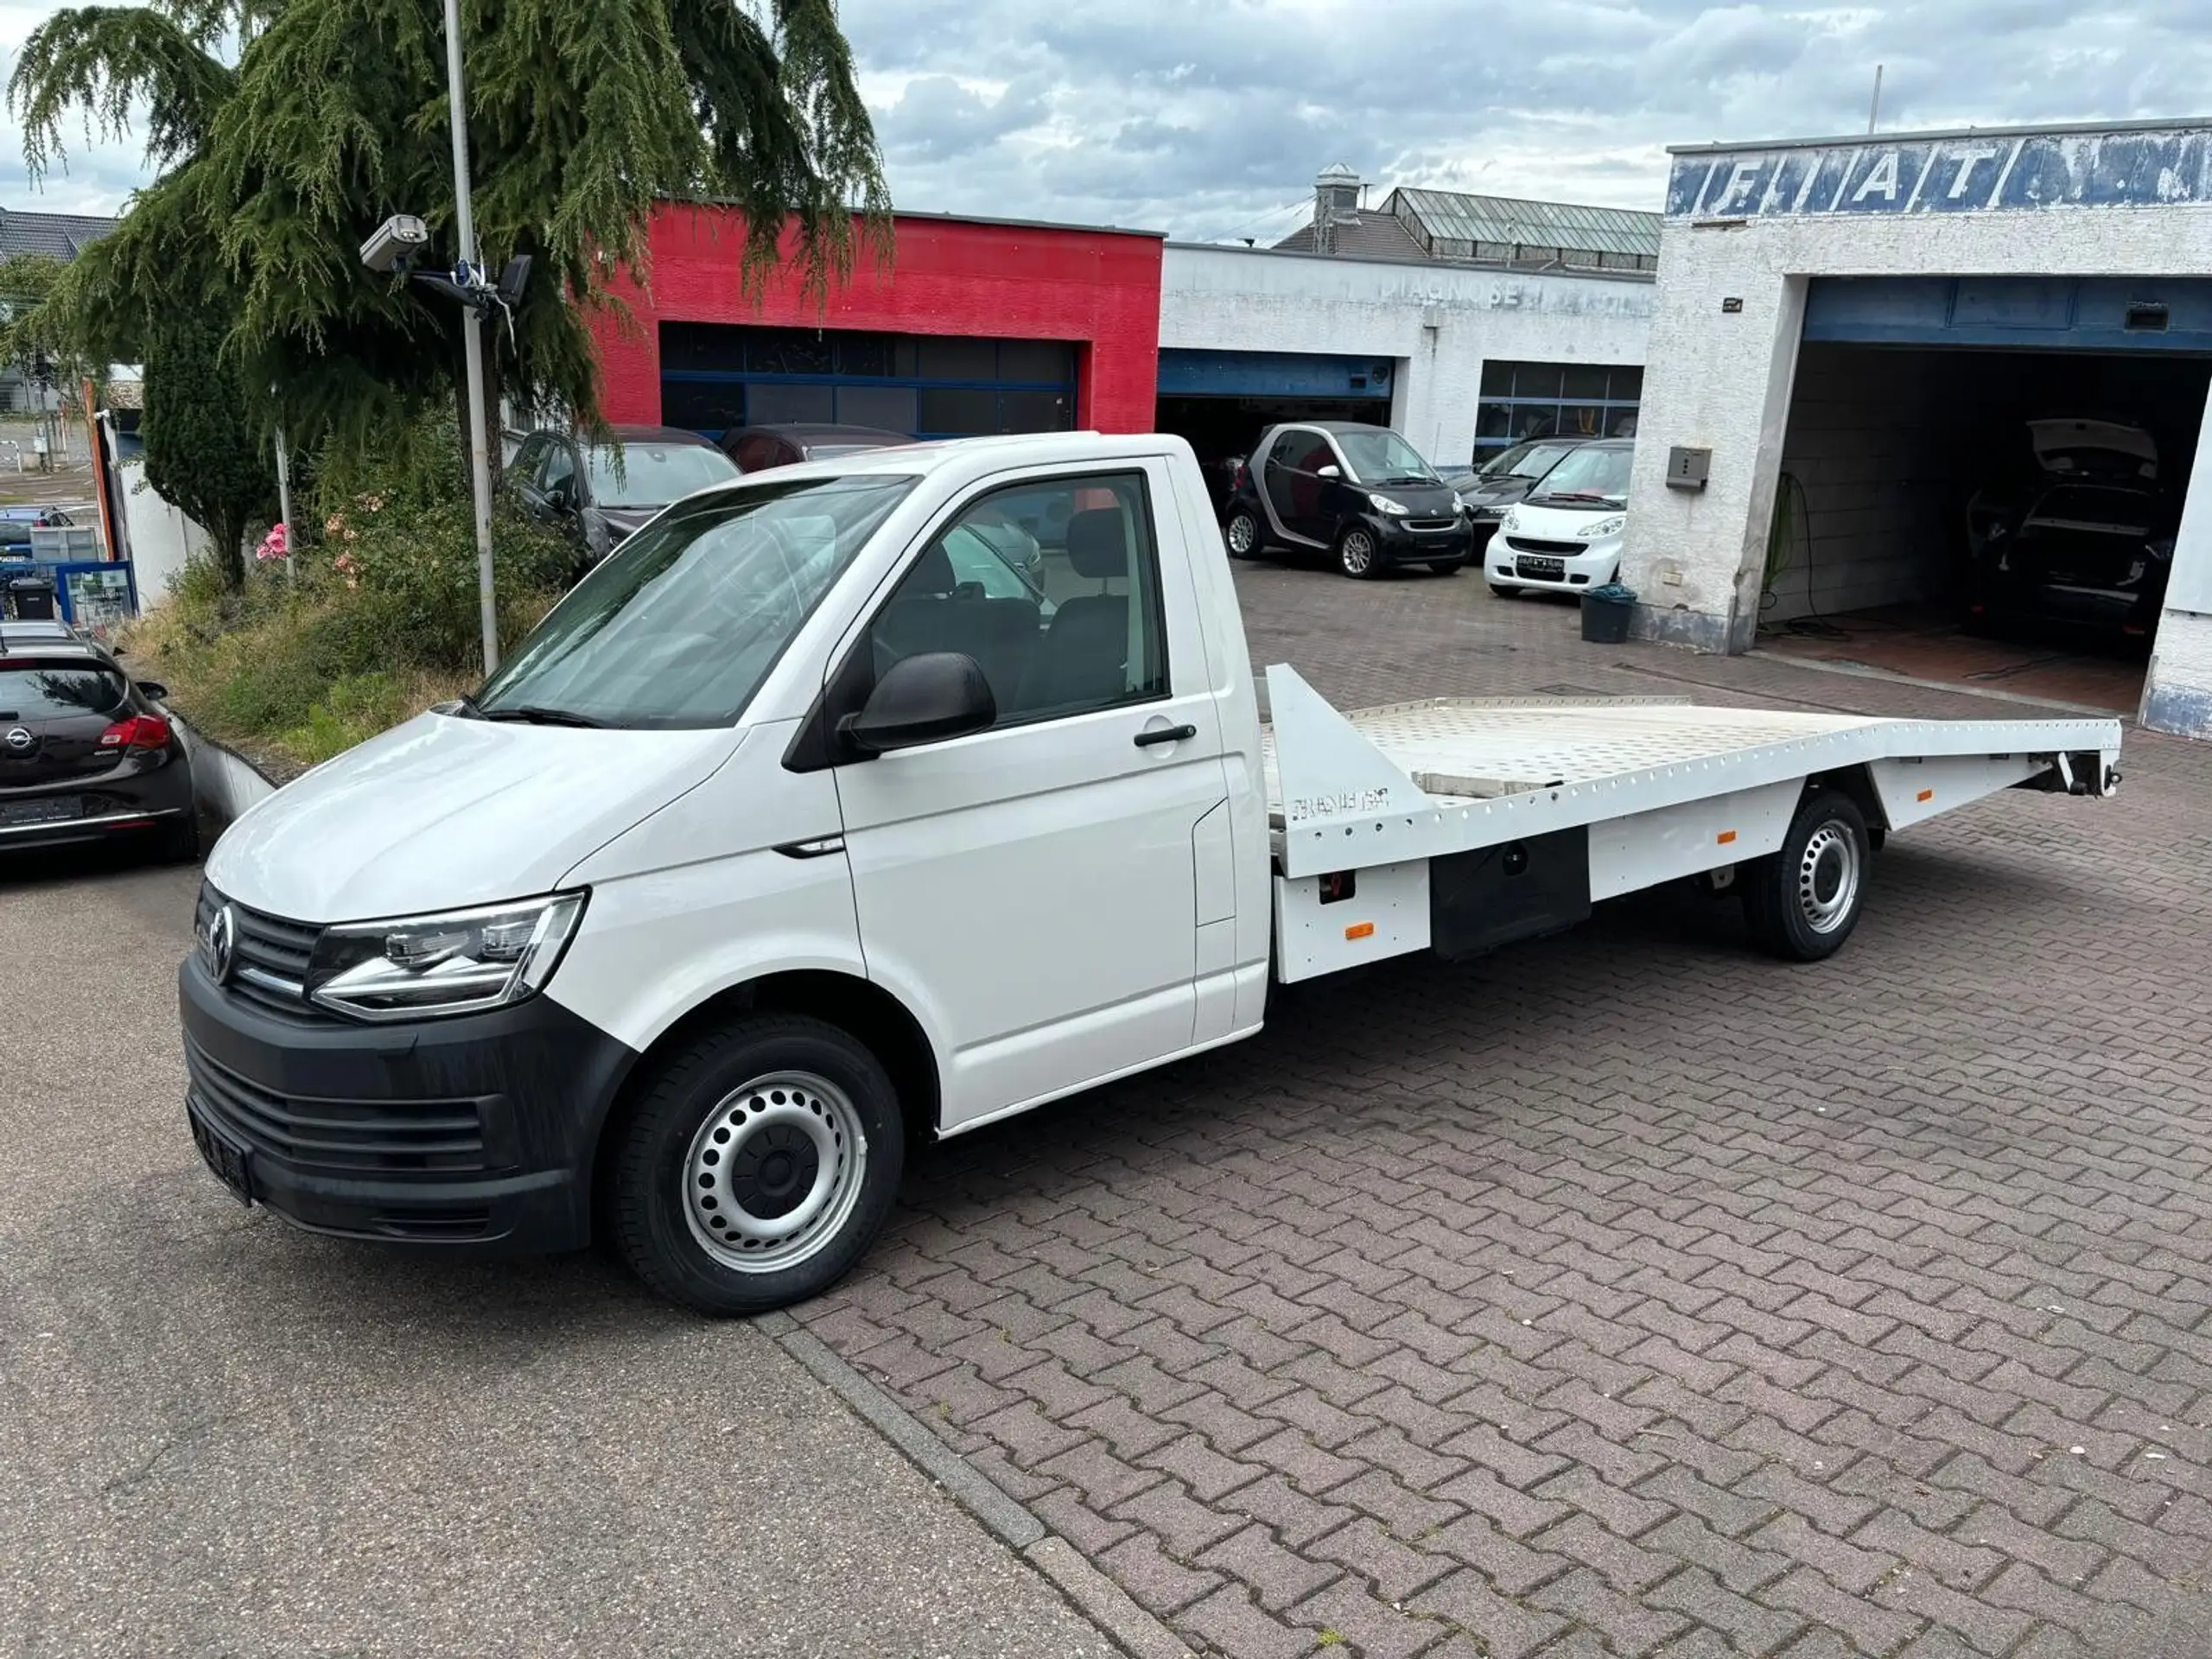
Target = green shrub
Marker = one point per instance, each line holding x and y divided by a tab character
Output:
376	619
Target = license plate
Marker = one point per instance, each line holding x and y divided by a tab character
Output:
52	808
231	1164
1543	569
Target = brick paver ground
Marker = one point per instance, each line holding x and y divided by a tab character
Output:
1626	1291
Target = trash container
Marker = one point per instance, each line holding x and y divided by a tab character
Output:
31	598
1605	613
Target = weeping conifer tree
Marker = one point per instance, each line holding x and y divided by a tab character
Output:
282	132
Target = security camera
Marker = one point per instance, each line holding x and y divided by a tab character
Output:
395	243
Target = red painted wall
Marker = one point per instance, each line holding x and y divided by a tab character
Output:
1099	289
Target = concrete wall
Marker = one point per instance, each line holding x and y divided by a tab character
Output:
1438	323
1723	364
161	537
1869	444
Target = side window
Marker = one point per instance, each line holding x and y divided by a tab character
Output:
1289	446
756	453
523	469
1053	587
560	466
1312	453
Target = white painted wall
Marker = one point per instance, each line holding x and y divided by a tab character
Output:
1869	446
1439	323
160	536
1723	380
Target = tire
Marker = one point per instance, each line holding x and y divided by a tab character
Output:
1358	555
1241	535
1802	903
1504	591
821	1118
1446	567
179	841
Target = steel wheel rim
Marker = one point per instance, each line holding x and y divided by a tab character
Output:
1828	876
1241	534
774	1172
1359	552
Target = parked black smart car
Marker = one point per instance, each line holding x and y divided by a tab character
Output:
598	492
1501	480
2084	539
1361	494
85	754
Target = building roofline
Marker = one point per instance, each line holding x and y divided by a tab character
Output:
1496	267
2177	124
949	219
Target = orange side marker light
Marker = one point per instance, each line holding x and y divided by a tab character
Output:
1726	837
1360	931
1925	795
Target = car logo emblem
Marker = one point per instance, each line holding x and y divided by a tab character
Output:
19	738
218	943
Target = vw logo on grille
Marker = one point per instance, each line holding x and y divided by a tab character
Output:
218	943
19	738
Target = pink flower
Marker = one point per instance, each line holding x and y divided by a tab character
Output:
275	545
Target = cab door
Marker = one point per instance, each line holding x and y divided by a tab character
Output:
1032	890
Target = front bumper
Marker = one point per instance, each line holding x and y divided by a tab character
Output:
476	1133
1399	542
1507	564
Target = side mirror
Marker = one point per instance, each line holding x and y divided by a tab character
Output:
922	699
1331	470
153	688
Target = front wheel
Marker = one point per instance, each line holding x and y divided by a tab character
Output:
1802	902
1242	534
1355	554
757	1165
1505	591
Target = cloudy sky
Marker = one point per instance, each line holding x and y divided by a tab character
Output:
1208	119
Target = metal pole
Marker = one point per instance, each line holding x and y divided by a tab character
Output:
284	503
1874	110
471	339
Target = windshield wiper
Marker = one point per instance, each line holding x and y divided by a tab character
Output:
531	714
1582	495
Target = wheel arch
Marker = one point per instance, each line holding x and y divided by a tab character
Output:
858	1006
1857	782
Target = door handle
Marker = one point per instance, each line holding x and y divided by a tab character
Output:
1166	735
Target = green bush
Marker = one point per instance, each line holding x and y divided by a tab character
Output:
376	619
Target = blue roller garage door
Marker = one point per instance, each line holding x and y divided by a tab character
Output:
2084	314
1272	374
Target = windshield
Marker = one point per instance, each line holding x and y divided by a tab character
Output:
1384	458
1597	474
654	474
1525	460
678	627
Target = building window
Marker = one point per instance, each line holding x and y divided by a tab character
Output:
717	376
1545	400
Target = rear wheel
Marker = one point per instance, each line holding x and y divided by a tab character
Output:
1356	555
757	1165
1242	534
1802	902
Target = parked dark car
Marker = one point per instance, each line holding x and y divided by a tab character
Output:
1500	480
86	754
17	523
599	492
1361	494
756	449
2084	538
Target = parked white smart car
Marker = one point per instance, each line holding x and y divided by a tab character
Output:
1566	536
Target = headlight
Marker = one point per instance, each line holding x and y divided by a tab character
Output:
1511	521
1603	528
1384	504
458	961
1458	502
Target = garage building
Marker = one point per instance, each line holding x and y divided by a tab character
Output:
1466	322
979	326
1861	347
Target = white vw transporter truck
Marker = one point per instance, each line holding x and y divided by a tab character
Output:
888	796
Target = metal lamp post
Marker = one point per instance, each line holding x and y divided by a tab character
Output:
471	339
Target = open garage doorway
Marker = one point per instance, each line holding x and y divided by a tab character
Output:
1981	514
1221	401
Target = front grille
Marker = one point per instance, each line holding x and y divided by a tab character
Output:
277	952
358	1136
1432	525
1559	549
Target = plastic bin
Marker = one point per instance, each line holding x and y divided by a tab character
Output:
1606	615
30	599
